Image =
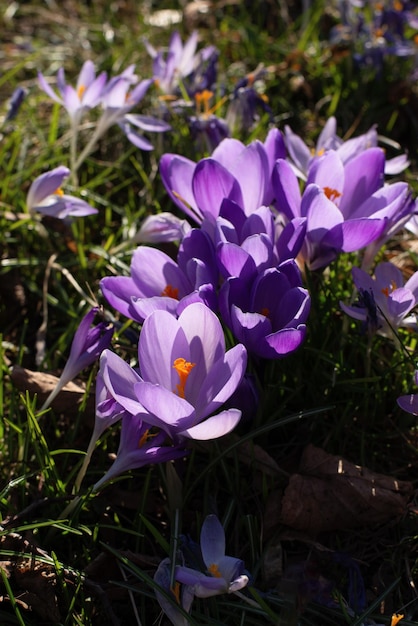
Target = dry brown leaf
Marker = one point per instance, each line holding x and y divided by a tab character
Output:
330	493
42	384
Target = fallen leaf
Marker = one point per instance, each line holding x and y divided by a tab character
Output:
330	493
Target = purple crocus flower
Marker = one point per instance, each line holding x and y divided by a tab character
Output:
158	282
346	206
409	402
139	446
46	196
182	62
267	314
180	596
302	156
393	300
161	228
185	375
85	95
224	574
16	100
118	99
87	345
234	171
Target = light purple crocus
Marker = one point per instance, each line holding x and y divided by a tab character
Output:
85	95
302	156
88	343
180	62
393	300
161	228
185	375
347	206
224	574
158	282
181	595
234	171
46	196
267	314
118	100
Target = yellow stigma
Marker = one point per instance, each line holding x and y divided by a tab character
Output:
80	91
202	101
318	153
59	192
170	292
183	369
214	570
396	618
398	5
331	194
265	311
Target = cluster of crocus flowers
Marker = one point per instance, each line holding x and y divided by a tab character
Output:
117	97
219	574
185	377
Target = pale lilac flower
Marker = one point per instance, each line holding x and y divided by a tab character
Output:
85	95
46	196
161	228
393	300
185	375
87	345
302	156
182	62
224	574
180	596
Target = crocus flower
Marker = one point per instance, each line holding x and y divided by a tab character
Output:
409	402
161	228
182	62
46	196
158	282
247	102
138	446
85	95
234	171
180	595
224	574
185	375
393	300
87	345
302	156
15	103
347	207
267	314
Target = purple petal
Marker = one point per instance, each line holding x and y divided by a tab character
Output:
212	540
213	427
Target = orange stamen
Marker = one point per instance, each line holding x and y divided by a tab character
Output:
396	618
176	591
387	290
265	311
183	369
214	570
80	91
59	192
170	292
331	194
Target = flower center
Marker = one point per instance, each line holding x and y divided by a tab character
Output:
145	437
183	369
265	311
176	591
388	290
170	292
58	192
331	194
214	570
80	91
